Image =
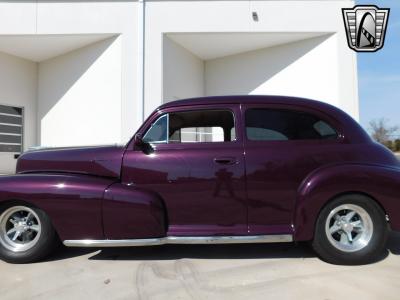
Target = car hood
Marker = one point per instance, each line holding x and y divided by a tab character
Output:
101	161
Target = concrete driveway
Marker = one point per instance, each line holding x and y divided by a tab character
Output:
269	271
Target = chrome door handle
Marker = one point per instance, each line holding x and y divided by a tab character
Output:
226	160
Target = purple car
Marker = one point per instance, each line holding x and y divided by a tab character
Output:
238	169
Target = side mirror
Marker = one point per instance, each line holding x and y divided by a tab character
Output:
138	141
142	145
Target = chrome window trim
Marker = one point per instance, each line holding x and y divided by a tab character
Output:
152	125
167	113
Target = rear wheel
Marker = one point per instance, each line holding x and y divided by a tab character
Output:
26	234
351	229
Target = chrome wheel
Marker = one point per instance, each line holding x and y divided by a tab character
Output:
20	228
349	228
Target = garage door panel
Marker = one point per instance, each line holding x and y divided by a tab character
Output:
10	129
10	149
10	139
10	110
9	119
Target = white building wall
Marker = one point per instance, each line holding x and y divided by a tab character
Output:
18	17
120	17
307	68
323	16
183	72
18	79
86	17
79	96
274	16
348	78
184	16
162	81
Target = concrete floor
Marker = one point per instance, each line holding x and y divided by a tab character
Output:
269	271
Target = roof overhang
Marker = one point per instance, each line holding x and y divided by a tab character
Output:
38	48
215	45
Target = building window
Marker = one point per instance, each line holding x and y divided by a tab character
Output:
283	125
11	129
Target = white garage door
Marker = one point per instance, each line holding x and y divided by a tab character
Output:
11	137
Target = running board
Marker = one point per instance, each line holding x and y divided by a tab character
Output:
281	238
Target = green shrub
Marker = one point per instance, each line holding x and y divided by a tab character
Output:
390	145
397	145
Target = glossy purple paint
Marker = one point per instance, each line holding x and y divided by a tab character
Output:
102	161
272	187
72	201
129	212
201	196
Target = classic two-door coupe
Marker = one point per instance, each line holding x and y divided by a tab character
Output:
238	169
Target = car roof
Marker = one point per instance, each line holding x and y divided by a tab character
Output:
249	99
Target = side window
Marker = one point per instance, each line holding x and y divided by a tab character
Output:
198	135
202	126
325	130
281	125
158	132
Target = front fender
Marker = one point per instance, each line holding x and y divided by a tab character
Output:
130	212
73	202
379	182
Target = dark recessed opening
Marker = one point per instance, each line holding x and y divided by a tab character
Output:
255	16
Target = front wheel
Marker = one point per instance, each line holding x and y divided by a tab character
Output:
26	234
351	229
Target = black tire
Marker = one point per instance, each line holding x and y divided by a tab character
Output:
329	251
45	244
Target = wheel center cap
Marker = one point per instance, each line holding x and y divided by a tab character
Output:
347	227
21	227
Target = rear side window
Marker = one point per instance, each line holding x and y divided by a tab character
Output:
283	125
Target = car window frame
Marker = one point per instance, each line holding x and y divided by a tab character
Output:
152	125
234	109
330	120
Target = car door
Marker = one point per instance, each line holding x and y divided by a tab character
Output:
195	162
283	145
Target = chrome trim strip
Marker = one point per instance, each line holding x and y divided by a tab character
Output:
278	238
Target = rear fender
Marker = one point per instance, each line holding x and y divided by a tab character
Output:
378	182
73	202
